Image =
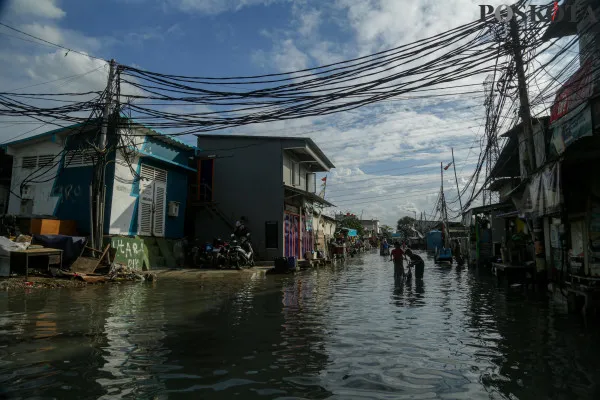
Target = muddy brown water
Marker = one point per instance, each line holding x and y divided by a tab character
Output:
340	332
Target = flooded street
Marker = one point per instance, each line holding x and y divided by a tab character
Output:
340	332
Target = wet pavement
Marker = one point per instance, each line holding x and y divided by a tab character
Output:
342	332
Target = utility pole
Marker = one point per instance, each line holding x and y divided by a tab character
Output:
99	177
456	179
525	111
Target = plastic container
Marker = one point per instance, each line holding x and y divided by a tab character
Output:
291	262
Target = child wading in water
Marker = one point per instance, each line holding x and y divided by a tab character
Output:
417	262
397	255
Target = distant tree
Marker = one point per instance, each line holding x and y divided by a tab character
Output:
351	221
386	231
404	227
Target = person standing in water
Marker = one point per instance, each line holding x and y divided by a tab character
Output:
397	255
417	262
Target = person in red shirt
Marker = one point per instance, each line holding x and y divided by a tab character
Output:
397	255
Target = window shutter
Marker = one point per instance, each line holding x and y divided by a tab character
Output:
152	201
160	200
79	158
29	162
145	208
46	160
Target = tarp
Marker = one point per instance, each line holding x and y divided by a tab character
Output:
572	127
70	245
352	232
542	194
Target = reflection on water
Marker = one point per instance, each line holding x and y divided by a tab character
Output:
347	331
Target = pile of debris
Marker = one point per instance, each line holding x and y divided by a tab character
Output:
123	273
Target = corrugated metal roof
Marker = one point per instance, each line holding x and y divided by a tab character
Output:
311	144
150	132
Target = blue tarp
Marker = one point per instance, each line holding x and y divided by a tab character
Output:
352	232
70	245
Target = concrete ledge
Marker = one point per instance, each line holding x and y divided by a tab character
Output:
208	273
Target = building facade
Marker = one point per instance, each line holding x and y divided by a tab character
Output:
146	177
270	181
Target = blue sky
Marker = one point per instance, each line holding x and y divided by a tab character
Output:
387	155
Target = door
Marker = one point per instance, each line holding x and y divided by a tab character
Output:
152	201
307	235
145	208
160	199
291	235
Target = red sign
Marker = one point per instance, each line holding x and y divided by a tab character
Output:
574	92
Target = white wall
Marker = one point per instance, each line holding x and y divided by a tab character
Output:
123	201
43	201
288	159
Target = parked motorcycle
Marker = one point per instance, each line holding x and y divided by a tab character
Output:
200	254
240	252
220	251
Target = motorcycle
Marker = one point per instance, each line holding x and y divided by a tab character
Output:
200	254
220	250
240	253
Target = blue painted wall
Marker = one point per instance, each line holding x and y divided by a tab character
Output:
166	151
177	189
72	187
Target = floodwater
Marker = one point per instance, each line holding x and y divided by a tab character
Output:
339	332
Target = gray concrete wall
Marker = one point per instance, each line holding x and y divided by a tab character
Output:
248	181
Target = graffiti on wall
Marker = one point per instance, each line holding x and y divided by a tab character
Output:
68	193
129	251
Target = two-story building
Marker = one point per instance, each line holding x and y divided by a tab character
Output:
270	181
371	227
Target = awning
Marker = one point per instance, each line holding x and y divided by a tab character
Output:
310	196
351	232
509	214
490	207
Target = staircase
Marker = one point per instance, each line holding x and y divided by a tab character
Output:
214	209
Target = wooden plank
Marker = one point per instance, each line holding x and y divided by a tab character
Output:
102	257
44	250
84	265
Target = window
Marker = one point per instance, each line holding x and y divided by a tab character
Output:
153	174
79	158
295	173
46	160
311	182
29	162
152	201
271	235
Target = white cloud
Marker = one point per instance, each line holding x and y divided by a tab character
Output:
66	37
215	6
309	22
287	57
38	8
